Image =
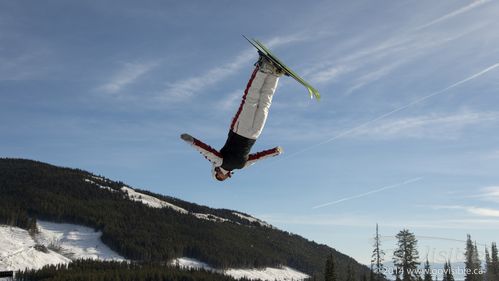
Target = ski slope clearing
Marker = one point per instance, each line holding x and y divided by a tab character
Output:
56	243
75	241
268	273
17	251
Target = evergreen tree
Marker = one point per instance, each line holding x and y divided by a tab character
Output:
477	264
471	262
488	266
330	271
468	259
448	275
427	271
494	262
405	257
377	258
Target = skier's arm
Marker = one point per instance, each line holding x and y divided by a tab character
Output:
255	157
207	151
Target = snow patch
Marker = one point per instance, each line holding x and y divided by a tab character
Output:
209	217
252	219
75	241
101	179
101	186
154	202
268	273
56	243
188	263
150	200
17	251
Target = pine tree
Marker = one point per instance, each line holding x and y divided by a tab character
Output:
405	258
488	266
377	267
427	271
477	264
472	262
448	275
494	262
330	271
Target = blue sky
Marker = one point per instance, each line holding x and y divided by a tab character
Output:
405	134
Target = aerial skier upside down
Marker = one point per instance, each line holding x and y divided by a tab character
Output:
250	118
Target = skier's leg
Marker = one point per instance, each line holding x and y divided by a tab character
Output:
242	124
262	110
252	113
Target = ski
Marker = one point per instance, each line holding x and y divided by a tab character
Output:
263	50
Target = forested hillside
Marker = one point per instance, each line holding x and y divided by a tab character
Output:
32	190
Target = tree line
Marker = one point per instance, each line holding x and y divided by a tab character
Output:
407	264
93	270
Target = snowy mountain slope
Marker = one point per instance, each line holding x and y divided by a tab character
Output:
17	251
60	243
154	202
150	200
75	241
54	244
252	219
222	238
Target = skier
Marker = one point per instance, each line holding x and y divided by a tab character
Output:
247	124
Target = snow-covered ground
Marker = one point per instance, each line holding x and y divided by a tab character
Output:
150	200
279	274
75	241
252	219
268	273
56	243
17	251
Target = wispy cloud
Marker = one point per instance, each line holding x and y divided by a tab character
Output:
230	101
432	126
489	193
376	60
398	109
478	211
128	74
384	188
185	89
474	4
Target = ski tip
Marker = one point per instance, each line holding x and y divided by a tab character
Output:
280	150
187	138
314	94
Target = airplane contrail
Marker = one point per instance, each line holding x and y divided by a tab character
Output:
409	181
459	11
414	102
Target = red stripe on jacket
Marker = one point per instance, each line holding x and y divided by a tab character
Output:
264	153
206	147
243	99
